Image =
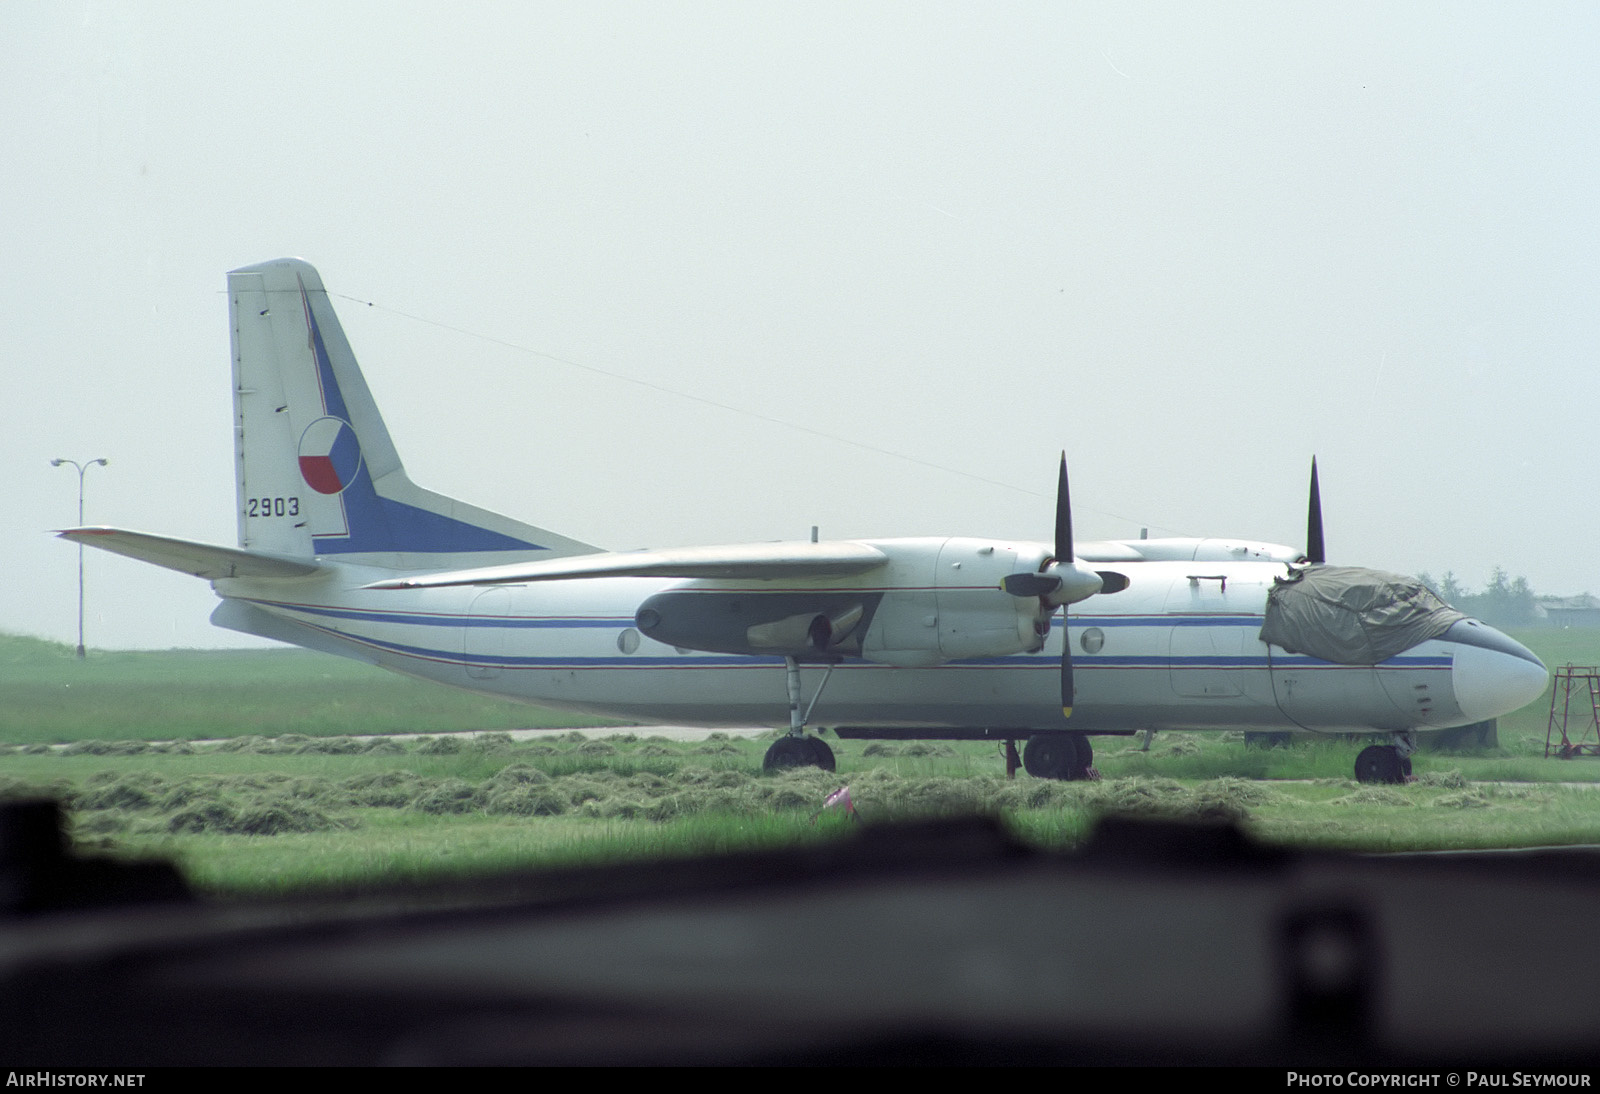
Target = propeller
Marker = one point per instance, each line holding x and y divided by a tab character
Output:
1059	582
1316	552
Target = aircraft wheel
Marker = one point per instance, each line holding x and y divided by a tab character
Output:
1085	756
787	752
1064	756
1381	764
1039	757
821	754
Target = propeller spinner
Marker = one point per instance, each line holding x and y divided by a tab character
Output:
1059	582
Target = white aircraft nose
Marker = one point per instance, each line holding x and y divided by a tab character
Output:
1492	673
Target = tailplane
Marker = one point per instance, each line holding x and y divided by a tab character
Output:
317	472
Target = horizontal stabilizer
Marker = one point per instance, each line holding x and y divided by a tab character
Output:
188	557
759	561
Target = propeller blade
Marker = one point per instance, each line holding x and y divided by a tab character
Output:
1063	517
1316	552
1063	547
1066	667
1030	584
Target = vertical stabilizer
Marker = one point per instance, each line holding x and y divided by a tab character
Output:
317	472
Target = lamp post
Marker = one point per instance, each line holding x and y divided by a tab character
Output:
83	469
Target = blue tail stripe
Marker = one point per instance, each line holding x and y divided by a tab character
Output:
376	523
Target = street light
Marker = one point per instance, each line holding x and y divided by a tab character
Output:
83	469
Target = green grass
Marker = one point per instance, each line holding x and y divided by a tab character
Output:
49	696
266	818
406	847
1415	818
1570	646
289	800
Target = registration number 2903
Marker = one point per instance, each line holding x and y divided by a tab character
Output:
272	507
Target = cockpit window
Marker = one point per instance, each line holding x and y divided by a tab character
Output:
1352	616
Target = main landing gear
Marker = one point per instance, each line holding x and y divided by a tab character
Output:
791	751
1067	756
795	749
1386	763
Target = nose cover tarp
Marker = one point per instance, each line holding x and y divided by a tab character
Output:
1352	616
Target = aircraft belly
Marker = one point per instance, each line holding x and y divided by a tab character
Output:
753	694
859	693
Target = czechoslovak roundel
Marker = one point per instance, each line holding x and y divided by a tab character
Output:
330	455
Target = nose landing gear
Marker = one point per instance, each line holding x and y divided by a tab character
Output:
1390	764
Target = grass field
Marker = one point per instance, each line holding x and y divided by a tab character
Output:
150	695
290	799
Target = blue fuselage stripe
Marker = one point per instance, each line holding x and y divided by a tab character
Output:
1040	660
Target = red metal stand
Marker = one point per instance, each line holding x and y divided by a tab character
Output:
1567	679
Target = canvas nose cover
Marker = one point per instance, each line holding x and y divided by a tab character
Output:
1352	616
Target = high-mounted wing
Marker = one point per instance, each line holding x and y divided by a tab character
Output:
756	561
189	557
1183	549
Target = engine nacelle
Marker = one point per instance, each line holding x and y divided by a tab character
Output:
945	603
935	600
720	617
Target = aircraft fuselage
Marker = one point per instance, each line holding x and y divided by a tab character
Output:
1178	648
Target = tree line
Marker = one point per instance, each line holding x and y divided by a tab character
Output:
1506	602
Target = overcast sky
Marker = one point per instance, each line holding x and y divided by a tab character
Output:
886	260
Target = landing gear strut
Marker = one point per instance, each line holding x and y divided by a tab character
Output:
1067	756
796	749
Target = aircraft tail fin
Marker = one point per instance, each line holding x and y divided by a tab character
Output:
317	472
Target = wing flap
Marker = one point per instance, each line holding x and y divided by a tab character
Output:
189	557
758	561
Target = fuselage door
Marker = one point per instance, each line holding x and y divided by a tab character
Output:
1211	627
482	642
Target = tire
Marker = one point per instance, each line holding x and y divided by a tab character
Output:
1085	759
821	754
788	751
1380	764
1065	756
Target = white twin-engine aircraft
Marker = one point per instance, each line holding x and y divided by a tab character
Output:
896	638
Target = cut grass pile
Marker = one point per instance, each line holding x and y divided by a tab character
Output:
546	782
269	814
